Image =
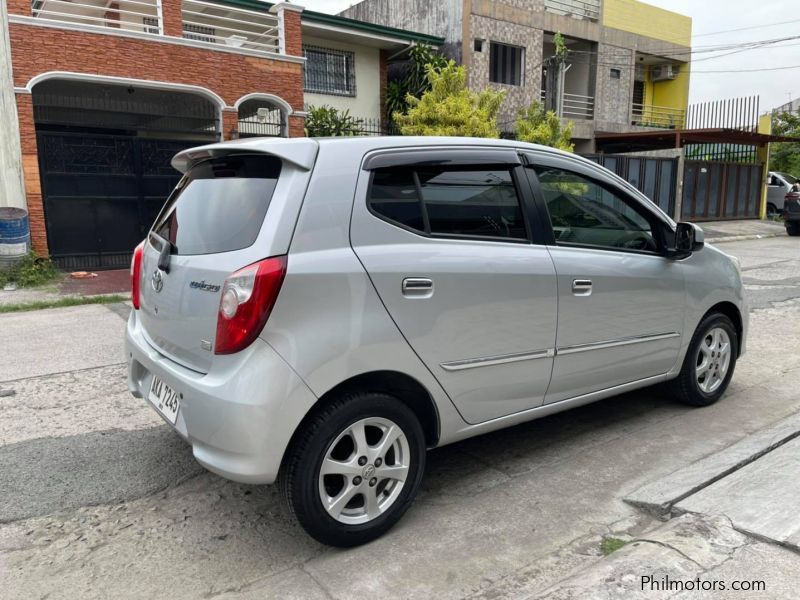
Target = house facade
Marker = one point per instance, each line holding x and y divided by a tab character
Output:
627	65
106	92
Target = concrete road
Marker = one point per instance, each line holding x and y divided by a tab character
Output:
99	499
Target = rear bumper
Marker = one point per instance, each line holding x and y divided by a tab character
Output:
238	417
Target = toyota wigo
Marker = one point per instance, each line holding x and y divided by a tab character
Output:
320	312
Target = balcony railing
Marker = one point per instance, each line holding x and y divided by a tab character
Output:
576	106
578	9
142	16
209	22
660	117
231	27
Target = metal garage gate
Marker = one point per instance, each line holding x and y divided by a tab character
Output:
654	177
719	190
102	193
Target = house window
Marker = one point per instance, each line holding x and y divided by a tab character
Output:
615	73
329	71
151	25
505	64
478	46
199	33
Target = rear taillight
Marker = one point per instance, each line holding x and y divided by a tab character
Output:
248	296
136	275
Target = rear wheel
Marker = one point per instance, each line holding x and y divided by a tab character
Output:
793	227
709	363
772	210
354	468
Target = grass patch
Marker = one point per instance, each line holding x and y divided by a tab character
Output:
611	544
62	302
31	271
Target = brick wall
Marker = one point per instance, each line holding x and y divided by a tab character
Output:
37	50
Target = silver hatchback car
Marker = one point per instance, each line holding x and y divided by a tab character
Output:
320	312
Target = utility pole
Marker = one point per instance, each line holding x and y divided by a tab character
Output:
12	186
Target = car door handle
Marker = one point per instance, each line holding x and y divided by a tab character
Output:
417	287
582	287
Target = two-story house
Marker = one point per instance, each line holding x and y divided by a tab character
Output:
107	91
627	64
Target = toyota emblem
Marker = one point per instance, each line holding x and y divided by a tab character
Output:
157	281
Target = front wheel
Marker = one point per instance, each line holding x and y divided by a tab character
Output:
709	363
354	468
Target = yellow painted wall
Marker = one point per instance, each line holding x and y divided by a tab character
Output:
649	21
673	93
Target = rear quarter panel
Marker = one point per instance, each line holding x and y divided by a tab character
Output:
329	323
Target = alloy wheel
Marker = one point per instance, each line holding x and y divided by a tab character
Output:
364	470
713	360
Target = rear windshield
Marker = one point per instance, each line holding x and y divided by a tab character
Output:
788	178
220	205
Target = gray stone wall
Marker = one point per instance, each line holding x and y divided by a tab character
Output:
517	96
613	96
433	17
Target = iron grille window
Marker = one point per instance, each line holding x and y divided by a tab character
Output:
151	25
199	33
329	71
505	64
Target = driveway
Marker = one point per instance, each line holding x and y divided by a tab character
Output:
99	499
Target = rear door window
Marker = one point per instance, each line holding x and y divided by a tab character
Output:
220	205
452	202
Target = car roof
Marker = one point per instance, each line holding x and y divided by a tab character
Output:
302	151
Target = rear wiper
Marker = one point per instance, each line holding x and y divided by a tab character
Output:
165	253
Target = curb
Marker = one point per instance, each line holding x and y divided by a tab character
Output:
740	238
659	497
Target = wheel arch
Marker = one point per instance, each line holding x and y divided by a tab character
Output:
394	383
730	310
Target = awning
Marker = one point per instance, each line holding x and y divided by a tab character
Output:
662	139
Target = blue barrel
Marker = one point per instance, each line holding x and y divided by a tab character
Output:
15	236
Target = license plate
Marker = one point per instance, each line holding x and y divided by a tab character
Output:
165	399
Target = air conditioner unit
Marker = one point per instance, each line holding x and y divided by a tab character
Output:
663	72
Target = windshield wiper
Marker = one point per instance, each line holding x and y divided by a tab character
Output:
165	253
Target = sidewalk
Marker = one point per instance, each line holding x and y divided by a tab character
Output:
107	282
732	231
736	518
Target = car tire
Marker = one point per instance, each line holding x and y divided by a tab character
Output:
345	507
707	354
793	228
772	210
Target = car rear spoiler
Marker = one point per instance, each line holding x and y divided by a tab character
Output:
301	152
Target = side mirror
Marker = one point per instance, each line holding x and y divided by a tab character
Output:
688	238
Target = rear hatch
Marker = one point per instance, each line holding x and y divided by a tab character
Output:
229	211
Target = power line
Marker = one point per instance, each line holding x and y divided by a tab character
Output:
750	70
746	28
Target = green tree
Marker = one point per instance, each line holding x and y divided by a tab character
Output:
326	121
450	108
412	78
785	156
539	126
